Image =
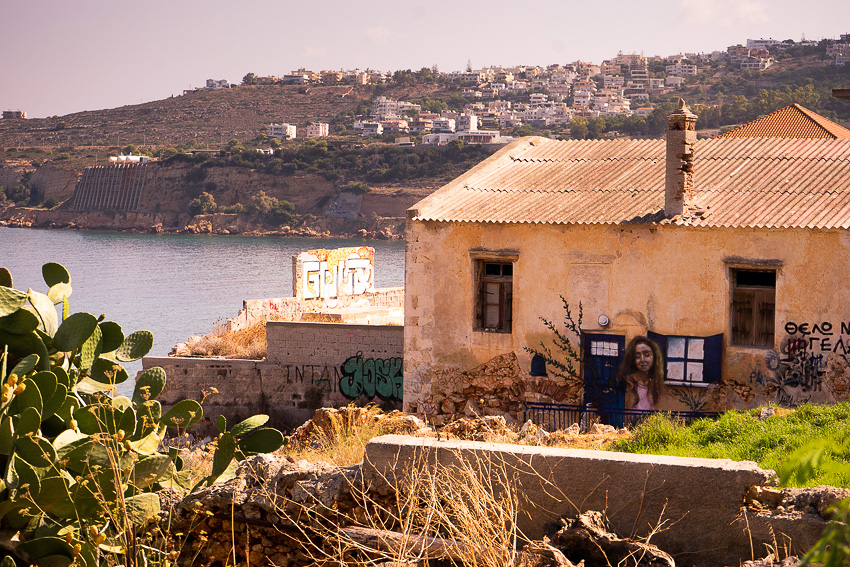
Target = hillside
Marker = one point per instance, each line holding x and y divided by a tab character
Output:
206	117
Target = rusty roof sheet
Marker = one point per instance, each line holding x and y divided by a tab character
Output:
739	182
793	121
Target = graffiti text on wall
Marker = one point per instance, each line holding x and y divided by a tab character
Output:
327	274
372	377
821	337
317	374
797	370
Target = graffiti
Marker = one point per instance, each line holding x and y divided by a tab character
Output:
372	377
694	402
322	375
820	337
327	274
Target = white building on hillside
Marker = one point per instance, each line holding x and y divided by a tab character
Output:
318	130
220	84
282	131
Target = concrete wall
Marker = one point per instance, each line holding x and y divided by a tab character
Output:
309	365
699	501
381	307
667	279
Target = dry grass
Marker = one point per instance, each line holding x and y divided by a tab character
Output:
465	512
249	343
339	437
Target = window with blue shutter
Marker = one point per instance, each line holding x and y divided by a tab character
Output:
690	361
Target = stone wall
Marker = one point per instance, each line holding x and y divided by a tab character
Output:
309	365
497	387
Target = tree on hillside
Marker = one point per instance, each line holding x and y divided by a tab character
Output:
249	79
273	208
204	204
578	128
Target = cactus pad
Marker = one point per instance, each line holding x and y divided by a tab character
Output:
134	347
149	385
54	273
74	331
112	334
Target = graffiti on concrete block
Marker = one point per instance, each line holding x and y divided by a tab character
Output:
372	377
329	274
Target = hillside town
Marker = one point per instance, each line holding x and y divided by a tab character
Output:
499	98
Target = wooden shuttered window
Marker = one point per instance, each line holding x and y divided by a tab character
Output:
753	308
495	296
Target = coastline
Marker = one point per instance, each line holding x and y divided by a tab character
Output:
219	224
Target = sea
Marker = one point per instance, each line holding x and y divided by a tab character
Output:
173	285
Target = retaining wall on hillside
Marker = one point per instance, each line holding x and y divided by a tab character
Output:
308	365
698	503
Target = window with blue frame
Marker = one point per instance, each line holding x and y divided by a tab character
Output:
690	361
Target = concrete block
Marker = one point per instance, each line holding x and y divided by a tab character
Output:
698	503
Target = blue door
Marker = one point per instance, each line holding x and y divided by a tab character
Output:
602	357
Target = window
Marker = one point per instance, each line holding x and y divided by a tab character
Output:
753	304
495	295
690	360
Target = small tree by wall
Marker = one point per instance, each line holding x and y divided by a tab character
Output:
563	358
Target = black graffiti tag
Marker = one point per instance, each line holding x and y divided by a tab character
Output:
372	377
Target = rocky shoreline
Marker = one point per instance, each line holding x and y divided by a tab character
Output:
219	224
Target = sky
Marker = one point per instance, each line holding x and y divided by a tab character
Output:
66	56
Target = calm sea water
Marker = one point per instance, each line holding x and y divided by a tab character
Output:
172	285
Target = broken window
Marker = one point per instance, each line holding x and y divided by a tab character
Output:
753	306
495	295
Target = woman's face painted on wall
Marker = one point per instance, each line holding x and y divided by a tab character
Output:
644	357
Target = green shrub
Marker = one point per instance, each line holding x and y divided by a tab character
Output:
195	175
357	187
745	436
204	204
237	208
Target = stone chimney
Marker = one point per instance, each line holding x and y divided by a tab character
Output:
679	178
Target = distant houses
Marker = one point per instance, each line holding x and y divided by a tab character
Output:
498	98
282	131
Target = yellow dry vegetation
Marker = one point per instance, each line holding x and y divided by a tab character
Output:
249	343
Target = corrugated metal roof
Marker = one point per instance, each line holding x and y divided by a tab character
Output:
792	121
739	182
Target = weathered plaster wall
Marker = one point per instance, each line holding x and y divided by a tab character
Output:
309	365
671	280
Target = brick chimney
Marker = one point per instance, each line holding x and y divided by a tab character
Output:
679	178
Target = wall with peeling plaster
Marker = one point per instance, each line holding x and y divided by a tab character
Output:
672	280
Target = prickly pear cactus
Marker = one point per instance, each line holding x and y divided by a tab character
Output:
80	464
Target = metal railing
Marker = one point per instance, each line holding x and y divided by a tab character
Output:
560	416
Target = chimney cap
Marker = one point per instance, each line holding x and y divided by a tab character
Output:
684	110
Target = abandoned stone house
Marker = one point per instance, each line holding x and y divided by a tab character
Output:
732	252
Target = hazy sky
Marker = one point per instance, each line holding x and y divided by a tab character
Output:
64	56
